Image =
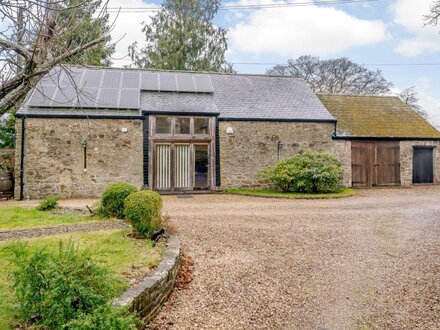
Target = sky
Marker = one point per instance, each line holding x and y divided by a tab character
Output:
372	33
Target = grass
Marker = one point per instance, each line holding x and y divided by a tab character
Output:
18	217
113	250
344	192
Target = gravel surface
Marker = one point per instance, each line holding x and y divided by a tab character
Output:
60	229
365	262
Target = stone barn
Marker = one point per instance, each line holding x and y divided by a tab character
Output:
84	128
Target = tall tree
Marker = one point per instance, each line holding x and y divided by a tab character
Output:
433	17
33	40
182	36
337	76
410	97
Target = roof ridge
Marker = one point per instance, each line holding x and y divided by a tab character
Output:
94	67
358	95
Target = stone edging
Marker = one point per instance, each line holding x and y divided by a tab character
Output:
147	297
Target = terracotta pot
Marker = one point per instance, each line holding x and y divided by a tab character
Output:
6	184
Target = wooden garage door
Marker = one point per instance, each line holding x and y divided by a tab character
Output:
375	163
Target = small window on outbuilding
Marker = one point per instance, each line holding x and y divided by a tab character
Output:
163	125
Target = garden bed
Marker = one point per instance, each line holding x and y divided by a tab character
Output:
344	192
128	260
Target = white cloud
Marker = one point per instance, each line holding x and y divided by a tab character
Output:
300	30
428	102
409	14
128	24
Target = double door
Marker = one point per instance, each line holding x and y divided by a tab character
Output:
375	163
182	166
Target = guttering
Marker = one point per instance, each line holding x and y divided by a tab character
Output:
22	159
382	138
292	120
77	116
179	113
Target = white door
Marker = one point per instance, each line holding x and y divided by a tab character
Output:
163	166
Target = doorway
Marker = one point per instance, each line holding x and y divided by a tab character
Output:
182	166
423	165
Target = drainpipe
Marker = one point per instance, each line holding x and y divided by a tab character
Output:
22	158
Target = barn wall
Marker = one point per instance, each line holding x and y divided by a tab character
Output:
406	160
54	157
253	148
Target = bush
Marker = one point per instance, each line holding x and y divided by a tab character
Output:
307	172
143	209
105	318
48	203
55	288
112	200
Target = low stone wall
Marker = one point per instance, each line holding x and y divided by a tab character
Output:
148	297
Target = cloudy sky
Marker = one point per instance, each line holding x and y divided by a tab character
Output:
373	33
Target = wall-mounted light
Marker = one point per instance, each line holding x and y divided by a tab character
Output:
279	145
84	145
229	130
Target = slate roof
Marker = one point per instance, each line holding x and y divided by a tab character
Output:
232	96
376	116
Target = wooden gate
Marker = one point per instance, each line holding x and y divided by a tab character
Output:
423	169
375	163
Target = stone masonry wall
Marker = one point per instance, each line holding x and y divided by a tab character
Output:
253	148
54	157
406	160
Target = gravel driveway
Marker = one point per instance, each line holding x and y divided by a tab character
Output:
365	262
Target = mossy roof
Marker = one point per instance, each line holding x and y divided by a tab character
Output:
376	116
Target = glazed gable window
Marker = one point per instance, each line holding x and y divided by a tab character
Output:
181	126
201	125
163	125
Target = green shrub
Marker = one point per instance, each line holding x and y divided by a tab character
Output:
53	288
307	172
105	318
143	209
48	203
112	200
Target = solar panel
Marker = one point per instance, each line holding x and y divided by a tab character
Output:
185	83
92	78
108	98
129	99
167	82
87	97
150	82
42	96
65	97
203	84
112	79
130	80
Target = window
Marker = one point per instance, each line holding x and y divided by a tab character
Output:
163	125
201	125
182	125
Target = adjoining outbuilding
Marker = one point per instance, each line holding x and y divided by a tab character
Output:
386	142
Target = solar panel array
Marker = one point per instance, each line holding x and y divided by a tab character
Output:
110	88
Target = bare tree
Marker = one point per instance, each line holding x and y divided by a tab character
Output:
433	17
336	76
33	36
410	97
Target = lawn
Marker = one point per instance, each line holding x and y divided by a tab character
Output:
113	250
344	192
14	217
